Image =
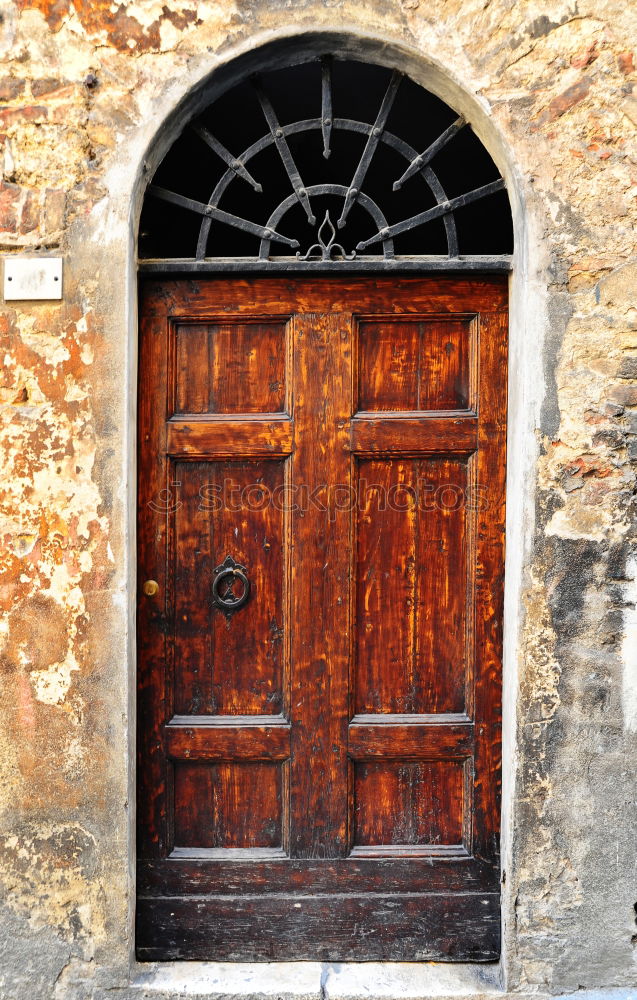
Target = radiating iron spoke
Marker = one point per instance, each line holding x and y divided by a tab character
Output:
226	156
424	158
433	213
371	145
284	150
326	104
212	212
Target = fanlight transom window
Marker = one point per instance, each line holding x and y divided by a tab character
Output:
327	164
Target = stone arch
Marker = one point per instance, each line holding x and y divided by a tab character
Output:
527	295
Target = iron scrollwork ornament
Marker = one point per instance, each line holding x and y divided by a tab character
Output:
224	578
326	250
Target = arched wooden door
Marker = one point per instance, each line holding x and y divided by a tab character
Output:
321	527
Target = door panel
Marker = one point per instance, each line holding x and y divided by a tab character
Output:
412	586
414	365
406	803
230	367
319	739
220	668
227	805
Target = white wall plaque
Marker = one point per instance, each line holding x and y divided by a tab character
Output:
32	278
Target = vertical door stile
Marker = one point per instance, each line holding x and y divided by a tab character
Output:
321	571
153	469
489	578
288	620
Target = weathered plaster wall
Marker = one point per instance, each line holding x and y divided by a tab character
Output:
84	87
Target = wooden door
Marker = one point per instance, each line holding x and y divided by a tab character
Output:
321	506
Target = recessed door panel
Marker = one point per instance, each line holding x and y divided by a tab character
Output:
415	364
408	804
230	367
227	805
412	564
221	509
321	517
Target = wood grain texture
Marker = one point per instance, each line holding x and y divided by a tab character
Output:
409	739
411	586
336	742
414	365
308	876
408	435
230	367
444	549
227	804
240	742
153	486
225	508
321	572
325	928
199	299
488	582
408	802
191	387
220	437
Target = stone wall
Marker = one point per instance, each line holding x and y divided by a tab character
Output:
85	87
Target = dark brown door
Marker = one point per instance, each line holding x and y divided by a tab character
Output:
321	507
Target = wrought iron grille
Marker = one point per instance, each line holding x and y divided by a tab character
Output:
305	168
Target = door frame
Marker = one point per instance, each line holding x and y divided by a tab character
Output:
527	333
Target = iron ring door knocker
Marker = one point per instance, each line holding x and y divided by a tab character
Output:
226	600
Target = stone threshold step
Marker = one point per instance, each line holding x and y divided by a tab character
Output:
329	981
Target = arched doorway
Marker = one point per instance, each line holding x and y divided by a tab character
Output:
321	520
